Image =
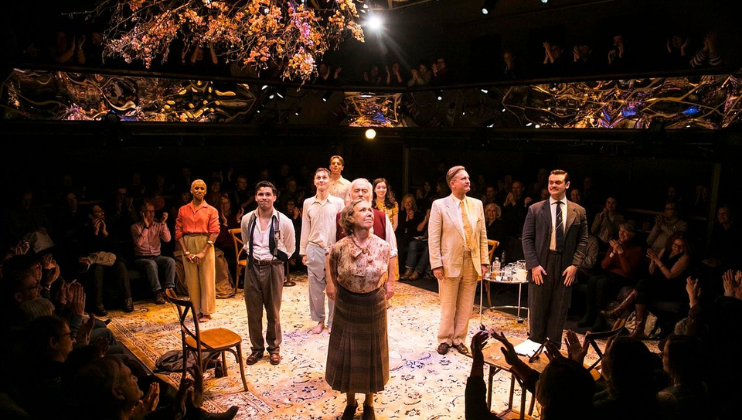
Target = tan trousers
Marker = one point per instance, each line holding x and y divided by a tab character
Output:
200	278
457	303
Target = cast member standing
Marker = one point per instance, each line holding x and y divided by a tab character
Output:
269	241
358	353
317	237
337	185
457	241
196	229
554	244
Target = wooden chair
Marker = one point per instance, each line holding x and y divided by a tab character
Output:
491	246
216	341
609	336
239	250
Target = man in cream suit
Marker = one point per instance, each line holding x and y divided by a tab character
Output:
554	243
457	240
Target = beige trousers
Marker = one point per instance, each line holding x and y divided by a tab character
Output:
457	303
200	278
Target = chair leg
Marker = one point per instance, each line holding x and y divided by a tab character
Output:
489	298
242	365
225	371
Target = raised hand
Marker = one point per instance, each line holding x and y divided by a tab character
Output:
76	296
508	351
83	333
552	351
163	219
576	350
731	282
693	290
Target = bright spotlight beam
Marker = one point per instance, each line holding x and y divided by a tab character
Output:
374	23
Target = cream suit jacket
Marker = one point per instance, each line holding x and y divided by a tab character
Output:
446	238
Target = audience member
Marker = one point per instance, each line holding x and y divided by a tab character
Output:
606	223
619	270
394	77
412	229
685	363
441	72
373	76
555	63
709	55
420	76
63	52
147	236
665	225
494	224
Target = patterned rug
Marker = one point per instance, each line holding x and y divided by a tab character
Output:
422	383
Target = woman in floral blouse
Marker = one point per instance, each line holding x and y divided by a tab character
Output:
359	281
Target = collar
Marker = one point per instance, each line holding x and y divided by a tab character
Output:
456	200
552	201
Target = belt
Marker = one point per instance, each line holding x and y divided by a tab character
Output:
556	252
147	257
262	263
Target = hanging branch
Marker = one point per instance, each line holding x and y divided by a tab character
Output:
254	33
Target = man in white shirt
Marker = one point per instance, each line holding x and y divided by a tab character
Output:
269	241
337	185
317	237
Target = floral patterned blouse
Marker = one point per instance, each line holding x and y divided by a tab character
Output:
360	270
390	212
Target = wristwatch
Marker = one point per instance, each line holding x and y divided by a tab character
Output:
210	242
188	252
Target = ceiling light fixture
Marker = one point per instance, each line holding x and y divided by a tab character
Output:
488	6
370	134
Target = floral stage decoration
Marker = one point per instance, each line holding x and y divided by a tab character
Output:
284	34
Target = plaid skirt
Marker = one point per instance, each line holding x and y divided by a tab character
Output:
358	353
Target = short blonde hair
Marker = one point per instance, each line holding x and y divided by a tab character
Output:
347	220
452	173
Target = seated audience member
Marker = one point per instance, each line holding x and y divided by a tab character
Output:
294	213
291	194
575	196
490	195
147	236
585	271
494	224
373	76
99	240
241	197
420	76
410	226
203	60
629	368
606	223
583	60
724	247
555	63
512	65
215	193
677	51
417	262
685	362
564	389
423	196
28	221
619	58
227	220
394	77
441	72
665	225
325	76
709	55
121	213
619	270
667	273
63	52
94	49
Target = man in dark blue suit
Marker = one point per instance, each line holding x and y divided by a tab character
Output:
554	244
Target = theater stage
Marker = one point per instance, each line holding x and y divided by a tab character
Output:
422	383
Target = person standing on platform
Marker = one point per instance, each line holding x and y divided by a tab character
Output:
457	241
358	353
338	186
317	237
554	244
269	242
196	229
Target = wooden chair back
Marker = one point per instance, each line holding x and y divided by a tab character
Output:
239	252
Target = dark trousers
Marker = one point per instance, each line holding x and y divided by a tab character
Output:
418	256
264	288
548	303
601	289
157	268
120	276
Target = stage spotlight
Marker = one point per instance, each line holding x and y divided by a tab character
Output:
488	6
439	95
370	134
544	1
298	111
326	96
281	91
484	90
374	23
271	96
264	87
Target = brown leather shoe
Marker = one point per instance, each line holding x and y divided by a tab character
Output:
407	274
159	299
414	276
275	358
443	348
461	347
254	357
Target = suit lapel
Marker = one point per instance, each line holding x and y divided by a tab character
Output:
455	214
571	216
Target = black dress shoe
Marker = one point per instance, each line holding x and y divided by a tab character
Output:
368	413
443	348
128	305
254	357
349	412
100	311
461	347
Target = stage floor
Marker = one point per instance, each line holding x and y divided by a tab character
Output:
422	384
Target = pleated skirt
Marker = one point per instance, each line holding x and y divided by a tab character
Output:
358	353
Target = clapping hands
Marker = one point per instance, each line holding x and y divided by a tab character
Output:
732	283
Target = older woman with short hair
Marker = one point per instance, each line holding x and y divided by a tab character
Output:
360	284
